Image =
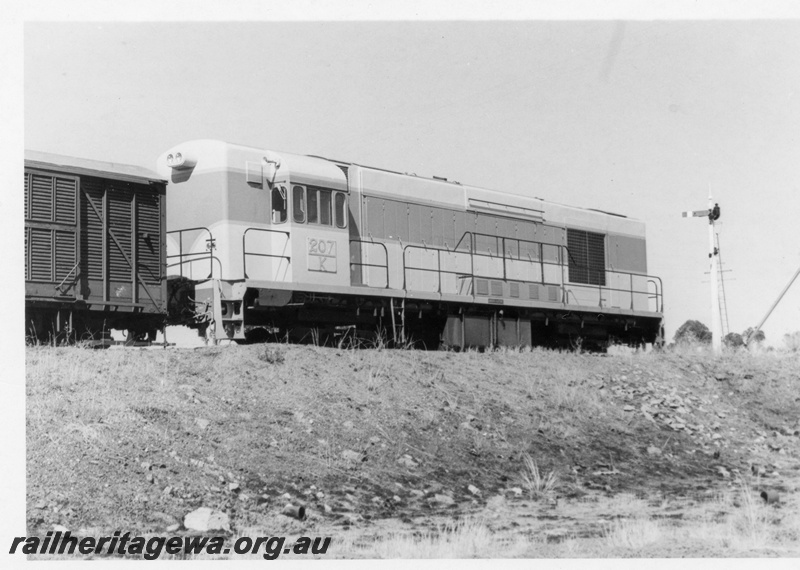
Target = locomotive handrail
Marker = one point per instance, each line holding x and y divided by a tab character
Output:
566	295
385	253
659	296
472	251
658	286
650	279
462	274
659	293
209	245
213	259
245	253
541	262
465	234
438	269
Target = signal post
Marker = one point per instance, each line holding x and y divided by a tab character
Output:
712	213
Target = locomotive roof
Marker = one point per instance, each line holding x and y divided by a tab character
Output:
75	165
471	187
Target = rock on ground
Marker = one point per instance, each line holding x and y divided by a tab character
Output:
205	519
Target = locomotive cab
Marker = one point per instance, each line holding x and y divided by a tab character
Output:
246	226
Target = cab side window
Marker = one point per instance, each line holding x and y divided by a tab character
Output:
340	210
312	206
319	206
279	205
299	204
325	213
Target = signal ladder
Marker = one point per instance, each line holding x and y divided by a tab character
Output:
723	307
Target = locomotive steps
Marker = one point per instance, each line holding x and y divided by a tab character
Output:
372	442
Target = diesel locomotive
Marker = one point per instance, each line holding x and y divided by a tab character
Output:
265	244
253	244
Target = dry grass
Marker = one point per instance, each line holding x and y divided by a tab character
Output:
625	505
747	523
467	538
94	416
560	381
751	523
636	533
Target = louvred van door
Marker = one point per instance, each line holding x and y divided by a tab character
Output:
51	235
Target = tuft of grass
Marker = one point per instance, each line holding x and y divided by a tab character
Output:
537	484
378	373
750	524
633	533
272	354
746	525
347	339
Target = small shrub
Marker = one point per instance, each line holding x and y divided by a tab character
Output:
272	354
751	336
733	340
692	332
792	341
537	485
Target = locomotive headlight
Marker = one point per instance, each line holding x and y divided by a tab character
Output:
179	161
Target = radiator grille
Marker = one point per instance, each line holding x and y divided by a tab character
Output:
587	257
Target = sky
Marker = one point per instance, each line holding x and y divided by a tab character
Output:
638	116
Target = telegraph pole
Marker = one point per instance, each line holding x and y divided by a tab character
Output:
712	213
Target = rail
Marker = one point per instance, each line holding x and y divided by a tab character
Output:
506	255
245	253
385	256
191	258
